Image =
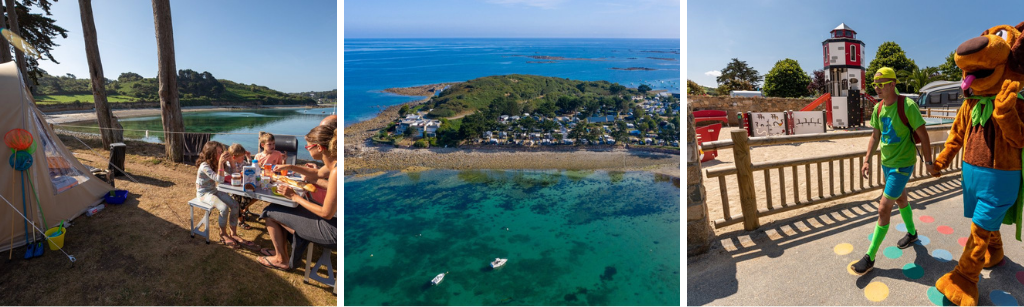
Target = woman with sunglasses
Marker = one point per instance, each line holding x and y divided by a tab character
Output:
898	159
315	222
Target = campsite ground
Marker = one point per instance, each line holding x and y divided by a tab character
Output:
139	253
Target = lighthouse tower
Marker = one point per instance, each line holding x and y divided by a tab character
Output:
844	74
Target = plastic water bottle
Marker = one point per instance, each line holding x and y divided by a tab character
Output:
94	209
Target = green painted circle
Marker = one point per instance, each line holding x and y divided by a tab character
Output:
893	252
913	271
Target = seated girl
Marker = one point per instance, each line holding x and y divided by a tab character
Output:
206	190
233	161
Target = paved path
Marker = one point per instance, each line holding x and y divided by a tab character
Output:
801	260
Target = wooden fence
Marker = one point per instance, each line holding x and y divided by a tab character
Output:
849	179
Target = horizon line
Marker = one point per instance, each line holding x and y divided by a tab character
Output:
511	38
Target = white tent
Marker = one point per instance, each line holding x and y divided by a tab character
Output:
64	186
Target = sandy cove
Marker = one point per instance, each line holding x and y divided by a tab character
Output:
87	115
362	157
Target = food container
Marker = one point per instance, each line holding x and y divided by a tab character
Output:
236	179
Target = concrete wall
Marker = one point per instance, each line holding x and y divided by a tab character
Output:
744	104
699	233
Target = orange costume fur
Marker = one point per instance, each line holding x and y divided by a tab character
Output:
993	65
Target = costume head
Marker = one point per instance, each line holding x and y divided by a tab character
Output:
987	60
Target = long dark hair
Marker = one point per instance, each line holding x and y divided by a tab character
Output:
209	155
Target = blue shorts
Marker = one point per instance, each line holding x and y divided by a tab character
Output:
988	193
895	181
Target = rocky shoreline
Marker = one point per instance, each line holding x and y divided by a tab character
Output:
363	157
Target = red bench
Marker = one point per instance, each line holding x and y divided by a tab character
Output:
708	134
710	115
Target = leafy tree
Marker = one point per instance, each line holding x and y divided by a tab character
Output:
818	85
786	79
739	70
129	77
638	113
692	88
918	78
421	143
403	111
616	88
889	54
643	89
407	132
734	85
949	71
39	31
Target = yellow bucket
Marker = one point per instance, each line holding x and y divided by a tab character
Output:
55	241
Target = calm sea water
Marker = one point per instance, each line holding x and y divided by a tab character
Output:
571	237
372	65
228	127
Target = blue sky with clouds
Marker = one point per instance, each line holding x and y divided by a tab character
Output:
763	32
512	19
289	47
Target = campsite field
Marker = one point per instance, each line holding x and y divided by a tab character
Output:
140	253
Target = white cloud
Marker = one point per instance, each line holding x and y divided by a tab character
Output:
544	4
713	73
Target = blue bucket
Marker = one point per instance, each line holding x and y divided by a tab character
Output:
119	197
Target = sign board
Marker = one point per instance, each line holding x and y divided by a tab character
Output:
807	122
767	123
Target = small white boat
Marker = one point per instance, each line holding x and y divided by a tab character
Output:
437	279
498	262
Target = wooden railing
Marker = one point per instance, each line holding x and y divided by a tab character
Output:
945	113
849	179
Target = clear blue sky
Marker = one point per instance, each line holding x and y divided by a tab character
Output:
290	47
512	19
766	31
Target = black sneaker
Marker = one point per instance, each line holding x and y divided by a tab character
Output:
907	241
863	266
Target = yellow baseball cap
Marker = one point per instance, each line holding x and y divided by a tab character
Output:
886	73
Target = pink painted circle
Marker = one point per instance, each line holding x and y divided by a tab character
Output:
1020	277
927	219
962	241
945	230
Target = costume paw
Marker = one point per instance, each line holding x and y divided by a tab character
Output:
958	289
1007	97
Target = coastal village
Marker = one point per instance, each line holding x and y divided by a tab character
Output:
609	127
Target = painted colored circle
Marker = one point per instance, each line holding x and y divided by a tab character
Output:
962	241
927	219
1002	298
1020	277
893	252
901	227
871	236
945	230
938	298
923	240
943	255
843	249
913	271
849	268
876	291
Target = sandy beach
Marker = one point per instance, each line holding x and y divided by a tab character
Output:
86	115
362	157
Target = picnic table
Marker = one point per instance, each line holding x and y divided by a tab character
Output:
259	194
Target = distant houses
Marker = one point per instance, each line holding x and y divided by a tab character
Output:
420	127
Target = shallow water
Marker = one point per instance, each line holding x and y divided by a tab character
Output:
571	237
227	126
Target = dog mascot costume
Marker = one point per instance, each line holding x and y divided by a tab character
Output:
989	129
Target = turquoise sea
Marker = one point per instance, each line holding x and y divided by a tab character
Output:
372	65
571	238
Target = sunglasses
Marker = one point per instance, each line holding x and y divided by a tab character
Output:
879	85
310	146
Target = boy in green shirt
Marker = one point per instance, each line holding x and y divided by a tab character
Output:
898	158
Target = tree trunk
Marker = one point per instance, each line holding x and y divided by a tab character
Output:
12	19
167	76
5	47
99	92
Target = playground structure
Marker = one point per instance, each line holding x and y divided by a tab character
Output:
843	57
709	133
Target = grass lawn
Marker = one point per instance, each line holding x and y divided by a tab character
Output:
140	253
55	99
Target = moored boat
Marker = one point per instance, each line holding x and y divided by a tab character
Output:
437	279
498	262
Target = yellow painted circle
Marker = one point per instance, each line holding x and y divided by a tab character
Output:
876	291
849	268
843	249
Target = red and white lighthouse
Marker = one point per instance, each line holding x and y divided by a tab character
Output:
844	74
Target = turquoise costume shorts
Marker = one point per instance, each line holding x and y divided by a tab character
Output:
988	194
895	181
